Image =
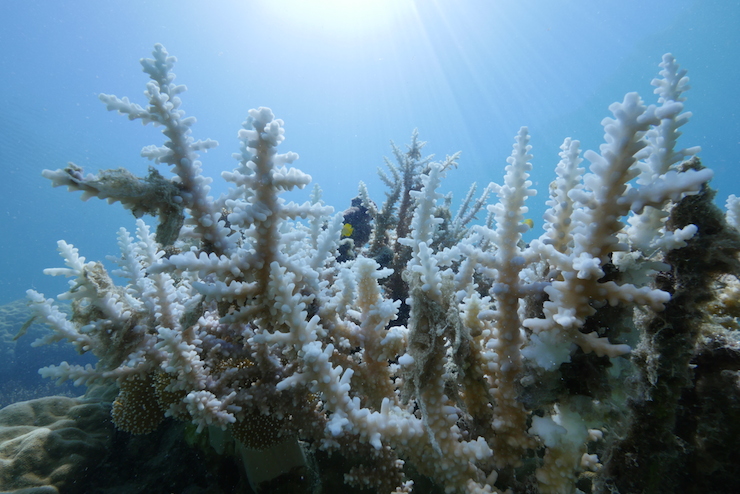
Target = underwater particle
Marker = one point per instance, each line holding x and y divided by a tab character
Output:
136	409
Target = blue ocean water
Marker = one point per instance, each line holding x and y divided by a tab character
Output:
347	76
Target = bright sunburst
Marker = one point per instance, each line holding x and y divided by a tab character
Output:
340	17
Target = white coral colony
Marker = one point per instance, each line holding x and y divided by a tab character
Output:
251	317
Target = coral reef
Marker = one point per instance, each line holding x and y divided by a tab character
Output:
63	445
19	359
411	342
48	442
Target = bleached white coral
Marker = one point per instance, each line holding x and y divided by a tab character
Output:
252	313
606	198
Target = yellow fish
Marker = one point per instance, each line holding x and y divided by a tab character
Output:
529	222
347	230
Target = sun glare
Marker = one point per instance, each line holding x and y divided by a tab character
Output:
340	17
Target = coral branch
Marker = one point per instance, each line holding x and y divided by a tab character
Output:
399	335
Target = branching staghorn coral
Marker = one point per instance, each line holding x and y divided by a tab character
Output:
258	328
393	220
154	195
